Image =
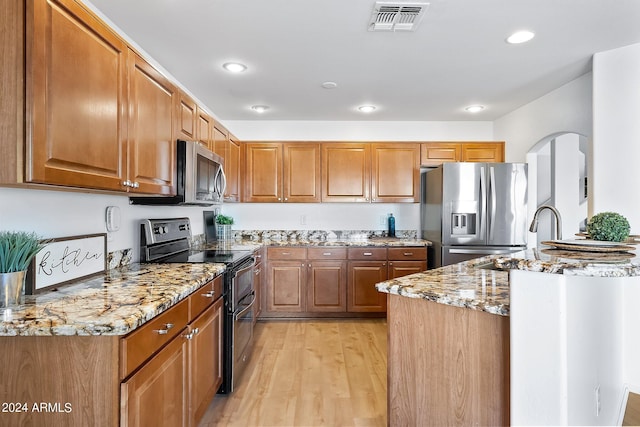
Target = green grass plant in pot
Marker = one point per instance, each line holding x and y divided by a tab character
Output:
608	226
223	224
17	249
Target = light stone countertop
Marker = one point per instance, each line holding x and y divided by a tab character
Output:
113	303
483	283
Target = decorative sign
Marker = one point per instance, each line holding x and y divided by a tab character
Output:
65	260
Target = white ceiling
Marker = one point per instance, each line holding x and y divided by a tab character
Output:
457	57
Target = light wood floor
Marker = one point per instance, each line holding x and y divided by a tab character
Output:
310	373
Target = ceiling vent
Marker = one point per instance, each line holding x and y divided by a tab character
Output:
389	16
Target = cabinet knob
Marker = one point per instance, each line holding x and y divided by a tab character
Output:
195	331
188	336
135	184
286	198
279	199
126	183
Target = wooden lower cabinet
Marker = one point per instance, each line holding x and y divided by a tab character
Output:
334	281
362	296
157	395
285	286
205	360
326	286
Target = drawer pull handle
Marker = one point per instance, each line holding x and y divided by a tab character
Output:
367	253
209	294
286	253
161	331
408	254
169	325
326	253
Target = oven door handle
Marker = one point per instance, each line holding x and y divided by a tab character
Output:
248	267
247	308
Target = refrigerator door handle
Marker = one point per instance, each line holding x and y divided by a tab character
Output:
485	251
492	186
483	204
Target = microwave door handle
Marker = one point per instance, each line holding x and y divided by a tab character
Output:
221	182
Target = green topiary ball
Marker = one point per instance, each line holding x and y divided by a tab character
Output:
608	226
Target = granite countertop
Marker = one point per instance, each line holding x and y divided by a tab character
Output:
483	283
248	244
120	300
114	303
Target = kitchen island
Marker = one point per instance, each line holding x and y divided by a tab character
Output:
450	354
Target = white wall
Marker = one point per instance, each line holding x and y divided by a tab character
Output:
61	213
566	109
616	133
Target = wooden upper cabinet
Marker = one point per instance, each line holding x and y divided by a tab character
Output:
483	152
220	140
187	115
151	129
282	172
346	172
263	175
301	172
437	153
232	170
396	172
76	77
204	128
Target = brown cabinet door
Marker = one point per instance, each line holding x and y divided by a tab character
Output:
483	152
204	129
187	117
327	286
346	172
362	296
404	268
76	80
157	395
395	173
301	170
152	146
263	175
437	153
232	171
220	141
285	286
205	354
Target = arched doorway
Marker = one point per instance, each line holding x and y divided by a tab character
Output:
558	176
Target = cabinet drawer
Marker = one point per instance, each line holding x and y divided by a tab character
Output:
142	343
408	253
327	253
286	253
368	253
204	297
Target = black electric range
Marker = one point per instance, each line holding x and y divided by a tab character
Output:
167	241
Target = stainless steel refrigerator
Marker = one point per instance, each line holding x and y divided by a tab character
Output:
469	210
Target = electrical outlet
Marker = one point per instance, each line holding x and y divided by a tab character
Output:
383	220
598	403
303	219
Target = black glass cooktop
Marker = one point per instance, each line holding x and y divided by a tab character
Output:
212	256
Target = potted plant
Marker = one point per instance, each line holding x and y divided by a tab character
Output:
223	226
17	249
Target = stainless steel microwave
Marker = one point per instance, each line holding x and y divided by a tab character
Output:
200	178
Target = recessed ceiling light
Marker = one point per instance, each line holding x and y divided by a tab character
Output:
474	108
329	85
366	108
234	67
520	37
259	108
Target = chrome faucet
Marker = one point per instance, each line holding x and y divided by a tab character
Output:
534	224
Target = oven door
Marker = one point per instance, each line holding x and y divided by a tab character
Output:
241	283
242	325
